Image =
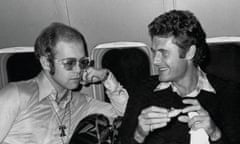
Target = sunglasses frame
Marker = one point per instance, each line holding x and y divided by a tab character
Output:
68	67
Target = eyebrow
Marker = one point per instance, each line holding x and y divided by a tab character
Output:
161	49
74	58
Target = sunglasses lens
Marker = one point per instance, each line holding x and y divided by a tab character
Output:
69	63
84	63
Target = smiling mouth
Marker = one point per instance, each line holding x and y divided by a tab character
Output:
163	69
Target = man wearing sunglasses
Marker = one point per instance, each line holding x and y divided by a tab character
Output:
47	108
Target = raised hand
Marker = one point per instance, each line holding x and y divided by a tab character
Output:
93	75
152	118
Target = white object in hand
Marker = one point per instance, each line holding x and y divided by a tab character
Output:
174	112
198	136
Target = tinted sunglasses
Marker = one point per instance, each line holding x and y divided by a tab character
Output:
70	63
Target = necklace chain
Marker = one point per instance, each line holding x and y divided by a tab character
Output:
61	126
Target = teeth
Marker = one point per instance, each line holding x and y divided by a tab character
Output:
162	69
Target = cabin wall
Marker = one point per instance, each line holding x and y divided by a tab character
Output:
108	20
218	17
114	20
22	20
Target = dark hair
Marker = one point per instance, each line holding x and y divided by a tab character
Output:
51	35
185	29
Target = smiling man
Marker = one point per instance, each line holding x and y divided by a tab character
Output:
182	98
47	108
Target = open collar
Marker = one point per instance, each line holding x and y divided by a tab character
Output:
203	84
46	89
45	86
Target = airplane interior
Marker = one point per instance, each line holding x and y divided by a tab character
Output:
117	37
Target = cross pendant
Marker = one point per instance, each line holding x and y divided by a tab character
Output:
62	129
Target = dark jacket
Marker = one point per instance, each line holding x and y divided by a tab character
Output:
223	107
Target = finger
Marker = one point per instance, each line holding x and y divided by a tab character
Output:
202	112
96	75
154	115
193	108
199	124
91	77
156	121
95	79
155	109
84	75
156	126
142	125
194	105
174	112
194	119
191	101
183	118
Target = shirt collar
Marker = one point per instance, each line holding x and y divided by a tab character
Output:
46	89
203	84
45	86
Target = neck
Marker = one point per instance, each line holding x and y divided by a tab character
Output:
61	91
61	96
188	83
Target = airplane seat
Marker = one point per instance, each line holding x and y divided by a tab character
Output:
128	61
224	59
128	65
17	63
22	66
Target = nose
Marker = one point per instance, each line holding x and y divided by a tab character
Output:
77	67
157	59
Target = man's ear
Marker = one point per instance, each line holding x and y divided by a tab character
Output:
191	52
45	63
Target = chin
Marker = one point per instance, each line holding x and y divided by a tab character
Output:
163	78
73	86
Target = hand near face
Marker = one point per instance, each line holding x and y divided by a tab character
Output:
202	120
93	75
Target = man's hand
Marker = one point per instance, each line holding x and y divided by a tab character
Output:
152	118
202	120
93	75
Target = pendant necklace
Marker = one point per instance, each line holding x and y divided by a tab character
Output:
62	128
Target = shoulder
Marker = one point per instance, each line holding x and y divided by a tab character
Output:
144	86
150	82
9	98
10	91
227	91
18	92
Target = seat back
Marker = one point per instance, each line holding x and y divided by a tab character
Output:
17	63
128	61
224	60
